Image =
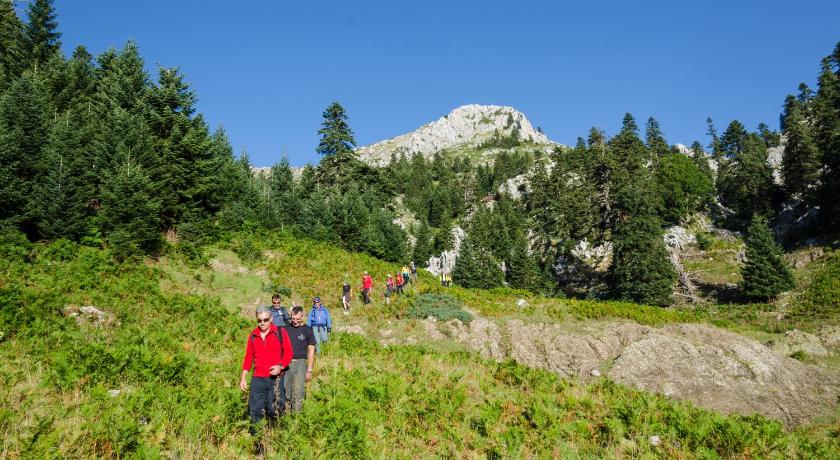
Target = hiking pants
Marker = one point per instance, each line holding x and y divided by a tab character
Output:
366	295
264	398
295	381
321	336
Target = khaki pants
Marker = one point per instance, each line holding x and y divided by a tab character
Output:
295	383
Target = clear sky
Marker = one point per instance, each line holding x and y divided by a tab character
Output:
265	70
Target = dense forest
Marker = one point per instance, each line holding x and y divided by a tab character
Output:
96	151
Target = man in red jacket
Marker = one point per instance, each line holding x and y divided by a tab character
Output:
367	285
270	351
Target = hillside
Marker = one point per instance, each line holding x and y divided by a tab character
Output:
156	375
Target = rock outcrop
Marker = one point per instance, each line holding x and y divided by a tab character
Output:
469	125
713	368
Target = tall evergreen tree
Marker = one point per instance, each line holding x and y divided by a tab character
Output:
130	211
11	44
765	274
41	36
23	133
475	267
802	160
715	144
62	197
422	245
654	139
733	139
340	162
640	270
827	135
745	183
522	269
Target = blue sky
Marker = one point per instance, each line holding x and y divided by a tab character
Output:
266	70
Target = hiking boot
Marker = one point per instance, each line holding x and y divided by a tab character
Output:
259	449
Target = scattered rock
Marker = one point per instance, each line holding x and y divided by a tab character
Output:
521	303
113	393
795	341
90	315
219	266
260	272
595	373
596	257
350	329
431	326
655	440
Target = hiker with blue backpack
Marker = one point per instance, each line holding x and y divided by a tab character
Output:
320	322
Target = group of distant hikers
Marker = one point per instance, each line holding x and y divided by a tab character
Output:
281	349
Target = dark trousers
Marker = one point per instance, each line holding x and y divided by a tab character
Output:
366	295
268	397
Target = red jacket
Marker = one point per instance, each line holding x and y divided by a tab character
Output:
264	353
367	282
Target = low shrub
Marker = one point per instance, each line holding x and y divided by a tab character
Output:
441	306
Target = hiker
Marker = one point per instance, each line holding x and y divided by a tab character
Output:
345	295
269	350
405	274
389	288
320	322
303	359
400	283
367	285
413	272
279	314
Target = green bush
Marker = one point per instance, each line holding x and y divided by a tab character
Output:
441	306
704	241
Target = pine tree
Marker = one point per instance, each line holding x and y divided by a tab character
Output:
42	39
23	133
802	160
701	160
640	270
683	188
827	135
475	267
733	139
422	245
11	44
654	140
765	273
129	213
745	183
714	145
62	197
183	169
340	163
522	269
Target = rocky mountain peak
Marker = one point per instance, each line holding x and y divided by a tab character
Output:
468	125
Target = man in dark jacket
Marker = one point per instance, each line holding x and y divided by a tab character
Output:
303	359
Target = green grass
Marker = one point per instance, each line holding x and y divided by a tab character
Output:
175	352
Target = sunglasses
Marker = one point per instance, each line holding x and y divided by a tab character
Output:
264	320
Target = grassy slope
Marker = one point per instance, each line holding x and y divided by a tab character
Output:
175	353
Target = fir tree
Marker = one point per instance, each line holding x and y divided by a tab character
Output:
640	270
765	273
129	214
522	269
422	245
733	139
654	140
802	160
827	135
23	133
745	183
714	145
61	199
683	188
340	162
11	44
475	267
41	36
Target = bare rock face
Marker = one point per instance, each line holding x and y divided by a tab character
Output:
445	261
795	341
713	368
468	125
723	371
